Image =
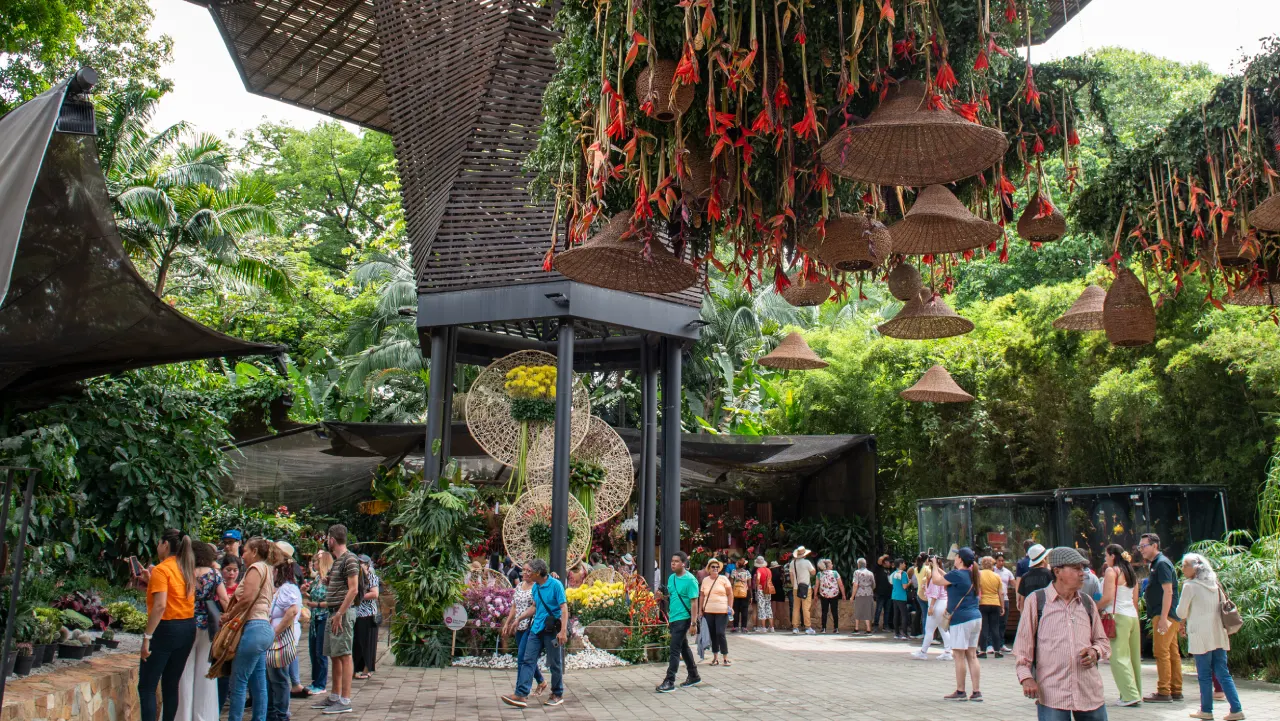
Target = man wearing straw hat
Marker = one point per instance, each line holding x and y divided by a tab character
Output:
801	570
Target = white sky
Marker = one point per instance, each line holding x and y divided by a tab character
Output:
208	91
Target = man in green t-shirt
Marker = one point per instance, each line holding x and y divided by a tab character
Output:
683	611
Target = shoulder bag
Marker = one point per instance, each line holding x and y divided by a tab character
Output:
283	650
223	650
1228	612
802	589
552	624
945	623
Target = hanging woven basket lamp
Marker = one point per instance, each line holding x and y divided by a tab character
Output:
696	179
1128	316
803	292
939	223
614	258
904	143
936	386
1047	229
656	84
904	281
1267	215
924	317
854	242
1234	253
793	354
1265	294
1085	313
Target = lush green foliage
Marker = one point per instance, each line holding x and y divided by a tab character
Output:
843	540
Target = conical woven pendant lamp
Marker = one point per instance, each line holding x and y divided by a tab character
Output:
1256	295
793	354
1041	230
936	386
939	223
802	292
904	281
1127	313
904	143
923	317
854	242
656	84
1085	313
1234	253
1267	215
614	258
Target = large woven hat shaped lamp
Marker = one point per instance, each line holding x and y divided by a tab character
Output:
939	223
614	258
905	143
793	354
854	242
1052	226
1267	215
804	292
925	316
1085	313
1128	315
936	386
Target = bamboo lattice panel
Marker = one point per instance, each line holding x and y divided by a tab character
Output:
319	54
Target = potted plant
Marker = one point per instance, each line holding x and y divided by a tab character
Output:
69	647
108	639
22	664
48	640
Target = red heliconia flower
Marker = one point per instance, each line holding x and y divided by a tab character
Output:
1197	233
981	63
1031	95
1072	139
967	255
1003	185
991	247
905	48
1046	208
1011	11
642	210
946	78
780	97
636	41
823	181
546	261
687	69
968	111
763	124
886	11
617	129
1004	251
800	36
780	280
808	125
1054	129
935	101
927	259
993	48
1038	146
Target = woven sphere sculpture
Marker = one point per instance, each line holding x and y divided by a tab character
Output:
904	143
939	223
534	507
605	575
802	292
604	446
1233	252
1085	313
486	577
925	316
695	181
1128	315
614	258
936	386
1267	215
854	242
491	424
904	281
656	84
1047	229
793	354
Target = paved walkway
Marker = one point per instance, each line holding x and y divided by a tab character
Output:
776	675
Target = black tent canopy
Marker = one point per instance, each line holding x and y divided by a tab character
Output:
75	305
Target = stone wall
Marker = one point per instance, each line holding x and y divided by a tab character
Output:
101	688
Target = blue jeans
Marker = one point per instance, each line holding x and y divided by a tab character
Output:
315	646
278	687
1211	665
1044	713
520	638
883	604
249	671
534	645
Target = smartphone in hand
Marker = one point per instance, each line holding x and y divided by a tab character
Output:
135	566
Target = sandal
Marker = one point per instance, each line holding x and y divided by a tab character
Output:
362	676
715	662
542	688
727	663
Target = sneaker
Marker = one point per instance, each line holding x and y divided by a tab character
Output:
1207	716
665	687
919	655
1134	702
1234	716
957	696
1176	697
337	709
1005	649
809	632
999	655
976	696
554	701
322	705
691	682
314	691
1158	698
946	656
982	655
795	631
514	701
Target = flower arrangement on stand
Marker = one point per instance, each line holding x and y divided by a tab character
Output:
599	600
539	523
532	390
487	607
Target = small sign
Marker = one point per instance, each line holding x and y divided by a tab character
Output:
455	617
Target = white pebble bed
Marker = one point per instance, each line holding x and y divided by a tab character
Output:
590	658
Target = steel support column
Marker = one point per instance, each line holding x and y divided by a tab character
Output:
451	374
437	417
648	512
560	455
671	395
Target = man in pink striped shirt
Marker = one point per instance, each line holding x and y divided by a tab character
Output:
1058	652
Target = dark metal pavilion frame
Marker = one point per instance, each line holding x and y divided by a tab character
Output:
459	84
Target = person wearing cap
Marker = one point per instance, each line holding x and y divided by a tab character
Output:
1060	643
1037	577
285	618
963	584
741	577
801	571
365	644
231	539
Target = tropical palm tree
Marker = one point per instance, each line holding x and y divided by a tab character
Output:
384	357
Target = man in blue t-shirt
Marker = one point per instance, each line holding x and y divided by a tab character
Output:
548	632
683	611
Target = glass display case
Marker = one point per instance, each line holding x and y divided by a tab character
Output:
988	523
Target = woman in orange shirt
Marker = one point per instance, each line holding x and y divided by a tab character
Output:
171	624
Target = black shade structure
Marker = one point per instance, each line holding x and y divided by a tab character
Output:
75	305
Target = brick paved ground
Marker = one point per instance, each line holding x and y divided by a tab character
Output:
778	675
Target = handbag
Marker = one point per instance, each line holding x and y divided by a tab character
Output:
283	650
552	624
945	623
1109	625
1229	613
214	612
225	643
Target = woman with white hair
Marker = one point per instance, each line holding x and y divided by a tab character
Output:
863	593
1207	638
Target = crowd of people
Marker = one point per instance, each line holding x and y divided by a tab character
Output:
224	627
